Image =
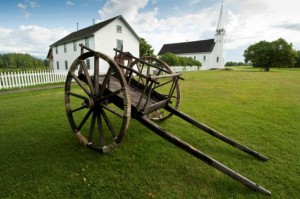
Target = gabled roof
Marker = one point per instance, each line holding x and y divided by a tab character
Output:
188	47
85	32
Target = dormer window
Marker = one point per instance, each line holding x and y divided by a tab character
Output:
119	29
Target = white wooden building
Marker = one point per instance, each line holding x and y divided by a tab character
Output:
209	52
102	37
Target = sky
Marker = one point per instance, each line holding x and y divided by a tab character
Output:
31	26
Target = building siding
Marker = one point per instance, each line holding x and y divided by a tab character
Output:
103	40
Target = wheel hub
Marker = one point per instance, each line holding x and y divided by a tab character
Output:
88	103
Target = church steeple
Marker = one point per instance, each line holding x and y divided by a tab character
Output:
218	52
220	28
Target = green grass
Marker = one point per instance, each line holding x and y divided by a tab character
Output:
39	157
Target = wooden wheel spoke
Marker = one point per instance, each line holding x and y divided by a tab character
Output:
100	130
112	110
78	109
173	96
140	69
76	95
96	75
92	126
79	82
109	124
106	80
87	76
113	94
162	84
84	120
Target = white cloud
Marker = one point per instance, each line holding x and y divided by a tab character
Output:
69	3
248	22
154	2
27	15
193	2
30	39
160	31
129	10
21	6
24	7
34	4
4	32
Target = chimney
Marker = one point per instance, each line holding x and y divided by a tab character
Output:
93	21
77	26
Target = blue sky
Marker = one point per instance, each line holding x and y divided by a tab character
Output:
30	26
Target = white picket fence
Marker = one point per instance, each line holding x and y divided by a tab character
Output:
184	68
20	79
9	80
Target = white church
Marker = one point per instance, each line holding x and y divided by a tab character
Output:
209	52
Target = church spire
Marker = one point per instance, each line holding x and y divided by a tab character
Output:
220	28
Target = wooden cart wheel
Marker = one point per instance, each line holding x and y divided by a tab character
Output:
160	114
96	122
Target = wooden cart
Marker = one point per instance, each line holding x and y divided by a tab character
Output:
100	104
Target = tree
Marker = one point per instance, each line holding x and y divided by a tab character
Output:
174	60
170	59
271	54
297	64
21	61
145	48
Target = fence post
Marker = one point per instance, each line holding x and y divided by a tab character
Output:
4	80
9	80
14	79
52	76
17	79
39	77
26	79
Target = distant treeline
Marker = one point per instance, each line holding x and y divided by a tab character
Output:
175	60
232	63
22	61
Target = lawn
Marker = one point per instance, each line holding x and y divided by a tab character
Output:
39	157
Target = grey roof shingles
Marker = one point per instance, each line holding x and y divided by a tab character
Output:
188	47
85	32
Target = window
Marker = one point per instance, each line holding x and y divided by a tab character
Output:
57	65
74	46
119	29
217	59
66	65
56	49
119	44
88	64
204	58
65	48
86	41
